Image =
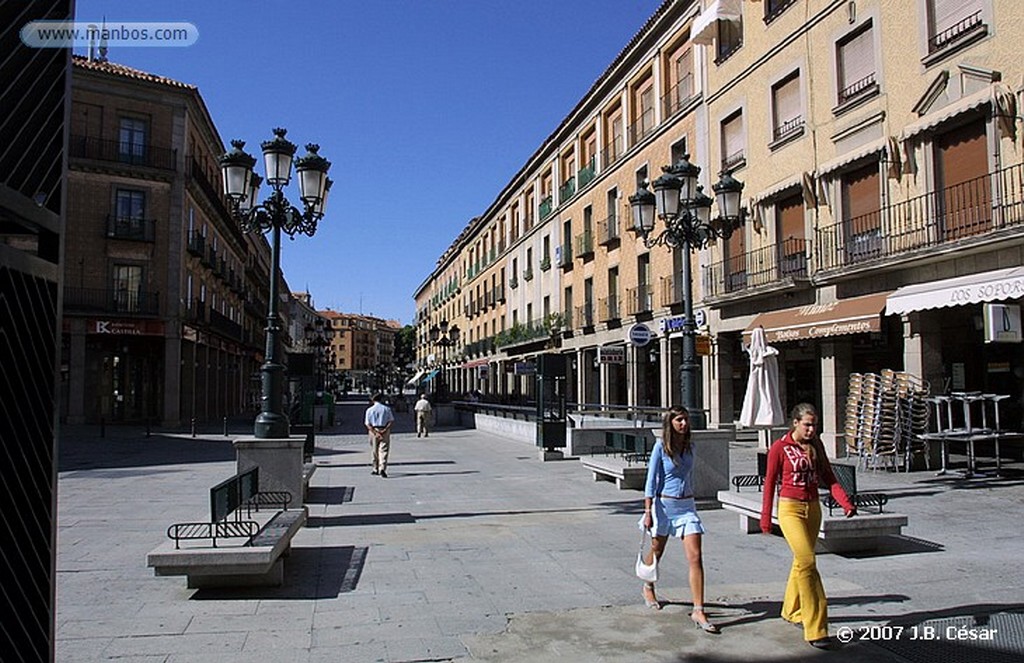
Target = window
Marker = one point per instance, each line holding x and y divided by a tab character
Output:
613	294
735	260
127	287
951	22
131	205
773	8
132	140
679	66
730	38
733	140
789	213
855	66
614	147
678	150
862	219
643	110
962	177
786	108
567	304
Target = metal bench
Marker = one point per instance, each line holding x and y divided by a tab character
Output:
846	475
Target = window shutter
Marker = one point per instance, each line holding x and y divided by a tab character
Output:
791	218
856	58
733	137
787	101
947	13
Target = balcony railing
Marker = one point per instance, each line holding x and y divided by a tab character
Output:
612	152
565	259
139	230
528	274
104	300
585	244
213	193
961	214
546	207
608	230
545	263
761	267
608	308
585	316
679	96
788	129
863	87
225	326
587	173
513	283
197	244
131	154
955	33
642	128
639	299
567	190
734	160
671	290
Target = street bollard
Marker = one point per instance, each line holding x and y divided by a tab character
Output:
148	432
321	423
225	426
103	427
193	426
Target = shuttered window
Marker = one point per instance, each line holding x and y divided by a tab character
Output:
733	140
786	106
962	156
950	19
856	64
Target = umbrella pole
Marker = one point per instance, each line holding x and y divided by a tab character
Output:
765	435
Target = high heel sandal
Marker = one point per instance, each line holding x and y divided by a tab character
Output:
653	604
702	624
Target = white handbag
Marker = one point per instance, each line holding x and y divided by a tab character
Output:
646	572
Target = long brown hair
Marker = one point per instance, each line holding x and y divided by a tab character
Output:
675	444
813	447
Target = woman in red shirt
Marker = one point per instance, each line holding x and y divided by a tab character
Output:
798	463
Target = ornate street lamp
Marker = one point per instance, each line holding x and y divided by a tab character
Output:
275	214
685	210
444	337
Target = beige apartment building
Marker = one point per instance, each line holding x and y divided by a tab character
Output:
361	345
879	147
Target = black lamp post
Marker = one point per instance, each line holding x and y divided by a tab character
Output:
276	214
444	337
686	211
316	338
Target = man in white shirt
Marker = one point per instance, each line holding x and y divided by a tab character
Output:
422	409
378	421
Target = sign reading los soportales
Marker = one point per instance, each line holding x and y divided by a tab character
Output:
640	334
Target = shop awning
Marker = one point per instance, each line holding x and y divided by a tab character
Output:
962	105
414	380
475	363
705	27
856	315
992	286
430	375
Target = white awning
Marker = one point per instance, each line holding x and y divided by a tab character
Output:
993	286
853	155
962	105
705	27
416	378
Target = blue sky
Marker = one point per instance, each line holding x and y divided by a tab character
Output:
426	109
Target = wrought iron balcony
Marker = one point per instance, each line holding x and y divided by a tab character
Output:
639	299
642	128
958	32
679	96
109	300
546	207
608	230
223	325
585	244
608	308
671	290
125	153
587	173
139	230
585	315
565	259
567	190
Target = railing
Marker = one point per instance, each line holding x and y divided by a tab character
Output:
760	267
608	308
587	173
567	320
732	161
585	316
213	193
222	324
773	8
858	88
141	230
955	33
639	299
522	333
567	190
642	128
565	259
679	96
546	207
513	283
197	245
585	244
612	152
545	263
528	274
132	154
962	213
103	300
788	128
608	230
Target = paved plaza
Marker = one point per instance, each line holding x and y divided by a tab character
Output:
475	550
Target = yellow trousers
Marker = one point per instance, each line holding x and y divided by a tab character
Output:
804	602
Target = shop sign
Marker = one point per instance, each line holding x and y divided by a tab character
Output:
483	371
126	327
673	325
640	335
1002	323
614	354
525	368
703	343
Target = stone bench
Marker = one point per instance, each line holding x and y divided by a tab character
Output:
621	470
837	534
254	562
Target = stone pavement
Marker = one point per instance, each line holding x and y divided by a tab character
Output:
474	550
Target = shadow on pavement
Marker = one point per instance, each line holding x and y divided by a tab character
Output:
76	453
329	494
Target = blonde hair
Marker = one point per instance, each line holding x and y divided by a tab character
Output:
675	444
812	447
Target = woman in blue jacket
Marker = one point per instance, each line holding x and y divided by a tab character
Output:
669	509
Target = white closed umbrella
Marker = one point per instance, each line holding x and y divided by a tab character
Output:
762	406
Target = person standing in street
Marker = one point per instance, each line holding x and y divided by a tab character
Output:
798	463
670	510
422	409
379	419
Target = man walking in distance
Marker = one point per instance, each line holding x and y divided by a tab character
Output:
378	421
422	409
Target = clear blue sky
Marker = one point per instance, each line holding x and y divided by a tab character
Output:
426	109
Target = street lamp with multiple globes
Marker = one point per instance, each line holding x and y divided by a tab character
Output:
686	211
316	338
444	337
275	214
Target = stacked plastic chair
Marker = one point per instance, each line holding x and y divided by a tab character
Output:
886	416
863	415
